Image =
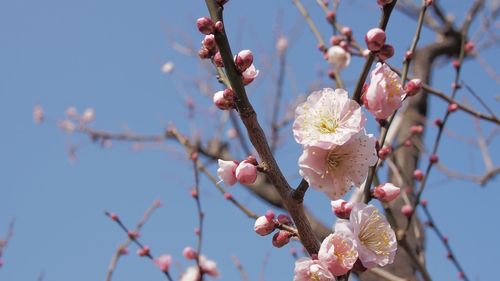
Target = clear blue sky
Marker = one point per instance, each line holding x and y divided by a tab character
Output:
108	55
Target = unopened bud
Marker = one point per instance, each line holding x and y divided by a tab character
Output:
416	129
285	219
209	42
281	238
205	25
341	208
347	32
246	172
375	39
263	226
204	53
433	159
386	52
418	175
221	102
189	253
452	107
384	152
243	60
386	192
413	87
407	210
144	251
218	60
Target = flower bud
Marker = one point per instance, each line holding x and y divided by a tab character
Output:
209	42
407	210
221	102
246	172
433	159
469	47
386	52
375	39
338	57
163	262
219	26
416	129
285	219
281	238
227	171
413	87
408	55
205	25
438	122
281	44
249	74
270	215
263	226
243	60
452	107
347	32
88	115
204	53
386	192
218	60
384	152
418	175
335	40
144	251
189	253
341	208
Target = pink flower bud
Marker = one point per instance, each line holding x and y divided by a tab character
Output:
433	159
384	152
408	55
38	114
461	275
285	219
263	226
227	171
281	44
132	234
204	53
386	192
281	238
386	52
347	32
144	251
219	26
189	253
335	40
469	47
382	3
418	175
344	45
438	122
341	208
228	196
330	17
218	60
250	74
423	202
407	210
163	262
123	251
243	60
456	63
246	173
221	102
114	216
428	2
416	129
228	94
452	107
375	39
413	87
209	42
205	25
270	215
338	57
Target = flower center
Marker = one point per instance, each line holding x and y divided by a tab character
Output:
326	125
392	86
374	235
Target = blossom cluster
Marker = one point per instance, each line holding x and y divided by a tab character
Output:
365	236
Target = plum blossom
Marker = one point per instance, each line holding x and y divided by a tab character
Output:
249	74
163	262
385	92
246	172
208	266
374	238
334	171
227	171
338	251
307	269
338	57
386	192
192	274
327	118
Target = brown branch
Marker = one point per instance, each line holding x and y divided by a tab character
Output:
258	138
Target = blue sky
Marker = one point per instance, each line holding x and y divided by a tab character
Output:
108	55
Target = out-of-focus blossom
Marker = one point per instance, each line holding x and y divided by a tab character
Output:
38	114
281	44
67	125
338	57
163	262
208	266
168	67
189	253
88	115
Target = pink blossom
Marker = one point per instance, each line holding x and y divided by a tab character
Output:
413	87
374	238
338	251
263	226
189	253
281	44
375	39
227	172
191	274
334	171
222	102
88	115
341	208
338	57
208	266
243	60
163	262
386	192
281	238
38	114
385	93
307	269
250	74
205	25
246	172
209	42
327	118
407	210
